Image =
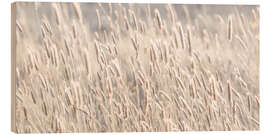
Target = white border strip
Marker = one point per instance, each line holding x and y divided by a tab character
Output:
222	2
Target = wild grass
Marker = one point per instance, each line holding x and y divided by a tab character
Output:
134	73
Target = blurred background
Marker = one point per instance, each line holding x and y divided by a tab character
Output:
30	14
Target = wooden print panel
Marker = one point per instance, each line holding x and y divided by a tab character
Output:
110	67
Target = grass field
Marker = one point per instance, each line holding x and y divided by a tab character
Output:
136	67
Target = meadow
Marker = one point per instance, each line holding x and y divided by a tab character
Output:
136	67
